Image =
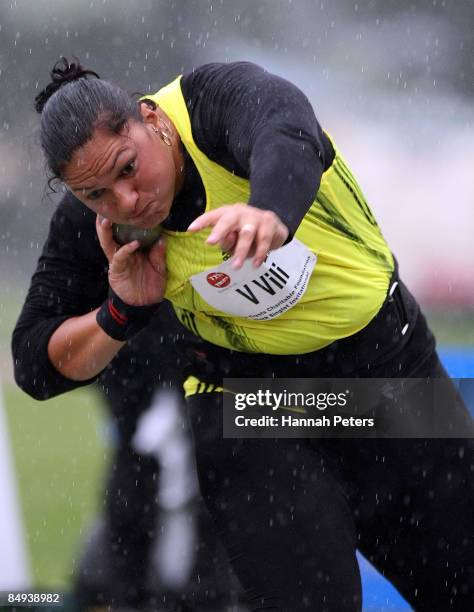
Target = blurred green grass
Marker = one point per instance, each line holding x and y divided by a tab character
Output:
59	459
452	327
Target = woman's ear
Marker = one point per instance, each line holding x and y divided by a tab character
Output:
148	111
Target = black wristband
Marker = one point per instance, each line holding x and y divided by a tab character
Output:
122	321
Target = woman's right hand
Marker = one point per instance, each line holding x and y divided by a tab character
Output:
137	277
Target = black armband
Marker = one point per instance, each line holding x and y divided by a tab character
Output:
122	321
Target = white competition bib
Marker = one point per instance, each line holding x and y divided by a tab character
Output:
259	293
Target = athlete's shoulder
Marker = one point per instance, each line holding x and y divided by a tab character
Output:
217	75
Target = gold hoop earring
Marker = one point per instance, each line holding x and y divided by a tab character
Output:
166	138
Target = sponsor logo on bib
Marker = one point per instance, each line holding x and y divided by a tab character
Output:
218	279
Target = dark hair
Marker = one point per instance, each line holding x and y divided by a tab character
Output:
72	106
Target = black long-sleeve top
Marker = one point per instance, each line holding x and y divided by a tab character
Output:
255	124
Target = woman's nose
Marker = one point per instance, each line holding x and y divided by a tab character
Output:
126	199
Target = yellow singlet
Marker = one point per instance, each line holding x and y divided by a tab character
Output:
348	284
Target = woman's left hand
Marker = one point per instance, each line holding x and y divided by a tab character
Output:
244	230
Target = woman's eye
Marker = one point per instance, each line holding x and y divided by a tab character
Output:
129	168
95	195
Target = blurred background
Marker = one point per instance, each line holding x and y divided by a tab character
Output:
391	80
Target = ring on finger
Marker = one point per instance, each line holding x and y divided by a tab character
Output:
248	227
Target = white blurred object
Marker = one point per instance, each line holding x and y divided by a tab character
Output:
161	432
14	565
175	552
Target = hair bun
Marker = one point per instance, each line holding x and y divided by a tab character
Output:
63	72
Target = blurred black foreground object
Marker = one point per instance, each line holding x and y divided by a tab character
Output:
154	548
